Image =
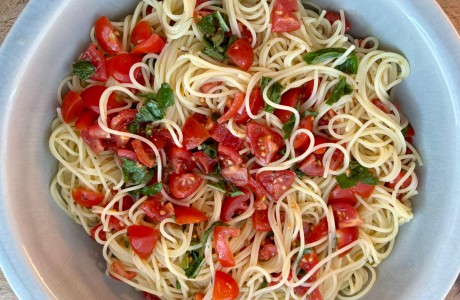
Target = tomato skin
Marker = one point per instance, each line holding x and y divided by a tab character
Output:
333	16
143	239
181	159
162	138
72	106
204	162
91	97
326	118
194	133
276	182
235	175
256	102
245	32
339	195
184	185
225	287
241	54
234	108
260	193
283	19
290	98
148	296
267	250
154	44
86	197
382	106
308	262
142	154
234	206
319	231
260	221
123	118
221	236
229	156
141	32
102	235
199	296
124	153
263	142
362	189
224	137
155	210
392	184
96	145
336	160
117	267
409	133
188	215
289	4
302	139
118	67
85	120
106	36
346	215
346	236
95	131
97	59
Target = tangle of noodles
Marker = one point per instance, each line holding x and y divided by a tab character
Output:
361	131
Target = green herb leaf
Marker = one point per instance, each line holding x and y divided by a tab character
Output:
227	188
264	284
282	151
310	113
134	173
165	96
322	55
151	189
83	69
207	26
212	52
220	186
192	263
210	150
405	130
273	93
288	127
178	286
354	174
234	191
299	173
156	105
350	66
133	127
222	23
218	38
340	89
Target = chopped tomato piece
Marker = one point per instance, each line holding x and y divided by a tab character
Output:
346	236
86	197
336	160
392	184
225	287
382	106
409	133
276	182
154	44
181	159
309	86
123	118
267	250
85	120
346	215
204	162
302	140
256	102
117	268
312	166
263	142
91	97
72	106
260	221
101	233
107	36
116	224
205	88
142	154
234	206
290	98
95	131
235	175
241	54
339	195
148	296
234	108
143	239
221	236
97	59
194	133
289	4
96	145
141	32
283	18
229	156
308	262
162	138
188	215
319	231
223	136
155	210
118	67
199	296
260	192
363	189
125	153
184	185
326	118
333	16
245	32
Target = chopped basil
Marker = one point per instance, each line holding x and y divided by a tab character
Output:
350	65
210	150
135	173
310	113
151	189
354	174
341	88
133	127
288	127
299	173
215	116
282	151
83	69
227	188
178	286
222	22
148	131
264	284
273	93
215	40
405	130
156	105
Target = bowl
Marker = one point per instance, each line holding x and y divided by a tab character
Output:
45	255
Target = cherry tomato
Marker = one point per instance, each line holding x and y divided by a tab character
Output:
260	221
116	224
107	36
267	250
97	59
325	119
117	268
283	19
123	118
91	97
224	137
235	175
205	88
194	133
339	195
336	160
141	32
276	182
290	98
118	67
308	262
245	32
154	44
162	138
199	296
392	184
234	206
409	133
256	102
263	142
85	120
319	231
101	234
95	131
86	197
382	106
225	287
346	236
204	162
333	16
309	86
260	192
96	145
362	189
184	185
143	239
229	156
181	159
221	236
346	215
289	4
241	54
312	166
302	139
188	215
142	154
148	296
234	108
72	106
155	210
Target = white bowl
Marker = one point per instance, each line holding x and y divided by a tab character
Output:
45	255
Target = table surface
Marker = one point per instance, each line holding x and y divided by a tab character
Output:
10	9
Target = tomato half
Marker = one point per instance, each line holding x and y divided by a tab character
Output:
204	162
181	159
256	102
260	221
155	210
221	236
283	19
235	175
142	154
107	36
223	136
86	197
233	110
184	185
336	160
194	133
154	44
96	145
346	215
188	215
72	106
234	206
276	182
241	54
260	193
333	16
363	189
308	262
101	234
123	118
319	231
267	250
86	119
302	140
225	287
91	97
346	236
289	98
95	131
263	142
143	239
117	268
141	32
118	67
97	59
392	184
339	195
229	156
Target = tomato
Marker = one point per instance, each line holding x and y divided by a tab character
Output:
336	160
117	268
267	250
148	296
392	184
143	239
72	106
409	133
234	206
101	234
97	59
229	156
263	142
184	185
162	138
326	118
283	19
308	262
124	153
319	231
362	189
199	296
194	133
346	236
309	86
225	287
118	67
224	137
154	44
204	162
256	102
339	195
260	221
85	120
260	192
86	197
96	145
319	140
346	215
95	131
245	32
123	118
290	98
241	54
235	175
142	154
205	88
315	295
237	102
91	97
107	36
141	32
382	106
276	182
333	16
289	4
302	139
181	159
188	215
155	210
115	223
206	120
221	236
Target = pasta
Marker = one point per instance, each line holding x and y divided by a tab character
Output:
357	138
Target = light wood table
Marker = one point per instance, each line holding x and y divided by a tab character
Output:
10	9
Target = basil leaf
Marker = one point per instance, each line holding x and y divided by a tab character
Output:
210	150
156	105
299	173
133	127
234	191
356	173
150	112
220	186
310	113
213	53
134	173
149	96
264	284
273	93
165	96
192	263
83	69
222	23
227	188
322	55
288	127
340	89
151	189
206	25
218	38
178	286
350	66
